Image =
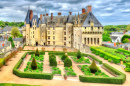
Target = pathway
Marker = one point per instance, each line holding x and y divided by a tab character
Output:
46	67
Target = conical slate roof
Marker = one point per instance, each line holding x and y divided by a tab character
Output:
27	19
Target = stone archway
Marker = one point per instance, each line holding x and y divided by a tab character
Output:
36	43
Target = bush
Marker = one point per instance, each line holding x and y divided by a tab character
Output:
64	57
127	69
99	71
105	58
53	62
67	62
109	60
34	64
37	52
96	73
93	67
78	55
51	56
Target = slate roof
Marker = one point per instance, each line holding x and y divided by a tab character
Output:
1	39
114	37
62	20
17	39
89	18
27	19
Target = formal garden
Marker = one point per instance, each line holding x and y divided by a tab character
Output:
118	56
66	65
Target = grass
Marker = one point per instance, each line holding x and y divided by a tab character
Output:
40	58
11	84
85	69
81	60
38	70
69	71
56	70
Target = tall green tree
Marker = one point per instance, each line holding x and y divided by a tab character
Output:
15	32
126	40
128	27
34	64
12	43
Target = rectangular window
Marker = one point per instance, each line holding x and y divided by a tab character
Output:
64	38
48	37
64	28
48	32
53	37
98	27
64	33
53	33
53	42
64	43
35	23
35	28
91	27
33	32
33	36
53	28
48	42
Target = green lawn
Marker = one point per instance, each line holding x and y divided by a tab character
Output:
10	84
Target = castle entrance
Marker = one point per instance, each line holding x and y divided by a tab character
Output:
36	43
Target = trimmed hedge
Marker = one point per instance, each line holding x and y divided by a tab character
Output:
72	53
110	80
101	53
56	53
41	53
93	57
11	84
123	50
19	73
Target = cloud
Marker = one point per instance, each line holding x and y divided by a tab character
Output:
106	11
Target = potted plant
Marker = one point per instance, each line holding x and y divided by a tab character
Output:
65	76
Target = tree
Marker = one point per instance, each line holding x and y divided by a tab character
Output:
34	64
128	27
15	32
10	39
106	36
126	40
53	62
12	43
67	62
20	35
78	55
51	56
64	57
37	52
125	36
93	67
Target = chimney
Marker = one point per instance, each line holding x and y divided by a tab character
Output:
41	17
31	15
124	32
43	14
59	13
46	14
83	10
70	13
51	16
89	8
115	44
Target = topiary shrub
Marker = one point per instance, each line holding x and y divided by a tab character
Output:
64	57
99	71
34	64
105	58
51	56
109	60
37	52
93	67
78	55
53	62
67	62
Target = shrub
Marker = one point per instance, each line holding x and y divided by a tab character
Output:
109	60
93	67
53	62
37	52
64	57
96	73
51	56
78	55
99	71
67	62
127	69
105	58
34	64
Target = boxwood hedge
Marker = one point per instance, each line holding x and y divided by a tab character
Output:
110	80
123	50
103	54
19	73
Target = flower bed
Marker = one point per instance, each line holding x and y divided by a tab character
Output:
56	71
40	58
38	70
85	69
69	71
81	60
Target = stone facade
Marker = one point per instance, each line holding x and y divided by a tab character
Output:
74	31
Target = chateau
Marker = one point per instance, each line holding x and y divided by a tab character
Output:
68	31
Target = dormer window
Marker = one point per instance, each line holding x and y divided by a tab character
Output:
98	27
91	27
85	27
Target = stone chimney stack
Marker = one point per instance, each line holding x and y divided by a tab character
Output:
31	15
46	14
51	16
83	10
89	8
59	13
41	17
70	13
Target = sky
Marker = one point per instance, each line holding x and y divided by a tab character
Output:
108	12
